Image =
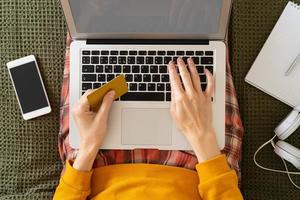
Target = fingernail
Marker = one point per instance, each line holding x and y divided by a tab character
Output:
171	62
112	93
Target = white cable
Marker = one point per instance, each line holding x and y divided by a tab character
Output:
275	170
288	173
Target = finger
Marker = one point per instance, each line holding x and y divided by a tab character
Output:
210	83
194	75
172	105
106	105
185	76
174	78
83	101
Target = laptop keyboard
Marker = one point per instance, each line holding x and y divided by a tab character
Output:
145	71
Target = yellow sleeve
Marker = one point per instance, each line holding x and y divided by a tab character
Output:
73	185
217	180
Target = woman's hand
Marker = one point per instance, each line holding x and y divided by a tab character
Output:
92	129
191	108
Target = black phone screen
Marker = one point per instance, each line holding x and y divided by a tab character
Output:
29	87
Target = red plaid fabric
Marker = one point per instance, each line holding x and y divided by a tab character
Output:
186	159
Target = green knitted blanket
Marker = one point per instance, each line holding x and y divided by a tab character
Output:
29	161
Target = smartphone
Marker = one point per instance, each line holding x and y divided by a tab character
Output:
29	87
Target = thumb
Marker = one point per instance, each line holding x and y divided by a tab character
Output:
106	105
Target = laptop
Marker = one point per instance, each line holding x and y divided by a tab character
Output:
138	38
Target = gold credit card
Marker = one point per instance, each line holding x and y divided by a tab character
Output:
118	84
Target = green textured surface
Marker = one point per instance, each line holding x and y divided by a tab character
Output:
251	23
29	161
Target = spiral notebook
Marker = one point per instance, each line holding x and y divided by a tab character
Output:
277	55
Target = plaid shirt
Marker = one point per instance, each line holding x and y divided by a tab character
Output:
187	159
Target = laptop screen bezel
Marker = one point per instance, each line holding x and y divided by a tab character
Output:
223	24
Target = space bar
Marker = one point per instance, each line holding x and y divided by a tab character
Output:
143	96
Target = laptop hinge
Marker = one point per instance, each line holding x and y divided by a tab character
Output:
148	41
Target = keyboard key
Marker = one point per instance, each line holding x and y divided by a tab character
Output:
168	96
146	78
133	53
96	85
142	86
113	60
149	60
145	69
137	78
175	59
207	60
114	53
143	53
151	87
202	78
86	53
140	60
89	77
200	69
108	69
129	77
87	68
131	60
163	69
180	53
95	53
165	78
110	77
135	69
82	93
124	53
209	53
196	60
199	53
155	78
203	86
99	68
126	69
189	53
133	87
161	53
86	86
167	60
160	87
151	53
158	60
210	68
103	60
185	58
117	69
101	78
122	60
85	60
153	69
168	87
95	60
171	53
104	52
143	96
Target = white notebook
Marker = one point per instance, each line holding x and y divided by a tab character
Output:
278	53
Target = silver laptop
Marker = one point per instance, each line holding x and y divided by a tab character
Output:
138	38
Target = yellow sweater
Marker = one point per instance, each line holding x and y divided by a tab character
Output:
149	181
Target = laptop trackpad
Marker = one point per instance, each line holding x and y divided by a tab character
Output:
146	126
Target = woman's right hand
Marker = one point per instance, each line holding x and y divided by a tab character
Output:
191	108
